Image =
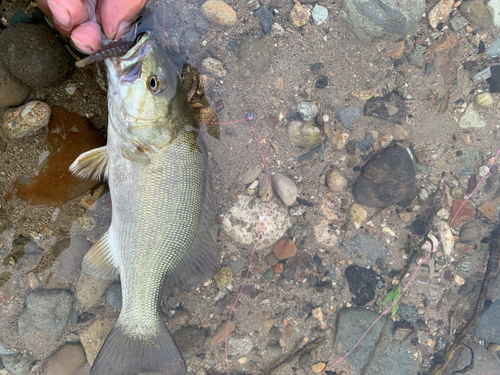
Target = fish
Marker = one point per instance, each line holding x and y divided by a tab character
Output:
163	219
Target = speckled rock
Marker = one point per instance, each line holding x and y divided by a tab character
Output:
26	120
93	336
304	134
382	19
213	67
299	15
239	345
18	364
219	12
242	222
67	360
89	289
285	188
335	181
307	110
348	115
358	215
440	12
45	318
319	14
476	12
484	100
12	91
223	278
339	139
33	55
251	174
471	119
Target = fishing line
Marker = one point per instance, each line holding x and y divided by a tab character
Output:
250	118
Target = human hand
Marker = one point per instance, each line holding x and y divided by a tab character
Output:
83	20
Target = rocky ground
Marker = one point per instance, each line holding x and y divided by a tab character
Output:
341	97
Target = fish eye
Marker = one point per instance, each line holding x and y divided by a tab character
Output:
155	84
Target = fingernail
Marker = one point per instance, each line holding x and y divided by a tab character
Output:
60	14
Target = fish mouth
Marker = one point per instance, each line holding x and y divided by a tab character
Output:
128	66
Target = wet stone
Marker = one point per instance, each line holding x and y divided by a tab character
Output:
239	345
349	115
319	14
366	250
307	110
12	91
93	336
316	66
366	143
471	119
467	212
407	313
322	82
388	178
299	15
114	296
305	360
304	135
190	341
223	278
49	309
266	19
18	364
467	287
219	12
255	55
69	136
488	328
362	282
476	12
26	120
458	23
416	57
485	362
390	107
33	55
350	147
333	99
68	359
213	67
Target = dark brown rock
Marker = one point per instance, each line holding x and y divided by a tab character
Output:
388	178
390	107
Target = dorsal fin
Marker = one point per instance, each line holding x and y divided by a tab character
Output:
92	164
99	260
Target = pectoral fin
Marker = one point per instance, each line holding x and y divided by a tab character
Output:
99	260
92	164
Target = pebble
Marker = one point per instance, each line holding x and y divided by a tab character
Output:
213	67
374	20
239	345
476	12
251	175
390	357
242	222
237	265
488	209
18	364
474	231
447	239
324	235
322	82
467	287
114	296
407	313
307	110
388	179
399	133
398	51
190	341
284	249
49	309
390	107
34	55
416	57
319	14
89	289
93	336
223	278
440	13
366	249
348	115
285	188
266	19
220	333
277	30
405	216
304	135
362	282
265	188
333	99
72	251
494	50
484	100
386	140
299	15
26	120
458	23
494	80
358	215
366	142
467	212
318	367
12	91
305	360
70	88
335	181
339	139
67	360
350	147
488	328
423	194
219	12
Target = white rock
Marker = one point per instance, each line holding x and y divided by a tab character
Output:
448	242
26	120
242	222
423	194
285	188
213	67
219	12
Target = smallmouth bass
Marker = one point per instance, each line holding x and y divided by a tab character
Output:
156	165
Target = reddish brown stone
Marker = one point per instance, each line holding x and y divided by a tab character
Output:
466	213
488	209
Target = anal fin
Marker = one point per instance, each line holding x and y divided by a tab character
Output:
92	164
99	260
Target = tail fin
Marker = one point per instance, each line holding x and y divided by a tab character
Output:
122	354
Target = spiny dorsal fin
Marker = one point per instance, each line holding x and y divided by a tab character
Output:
99	260
92	164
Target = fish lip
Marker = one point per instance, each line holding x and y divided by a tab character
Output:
128	66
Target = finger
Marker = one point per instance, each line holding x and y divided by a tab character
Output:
116	16
68	14
87	37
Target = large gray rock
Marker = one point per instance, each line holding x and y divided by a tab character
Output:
390	358
485	362
45	318
190	341
18	364
33	55
488	328
371	20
